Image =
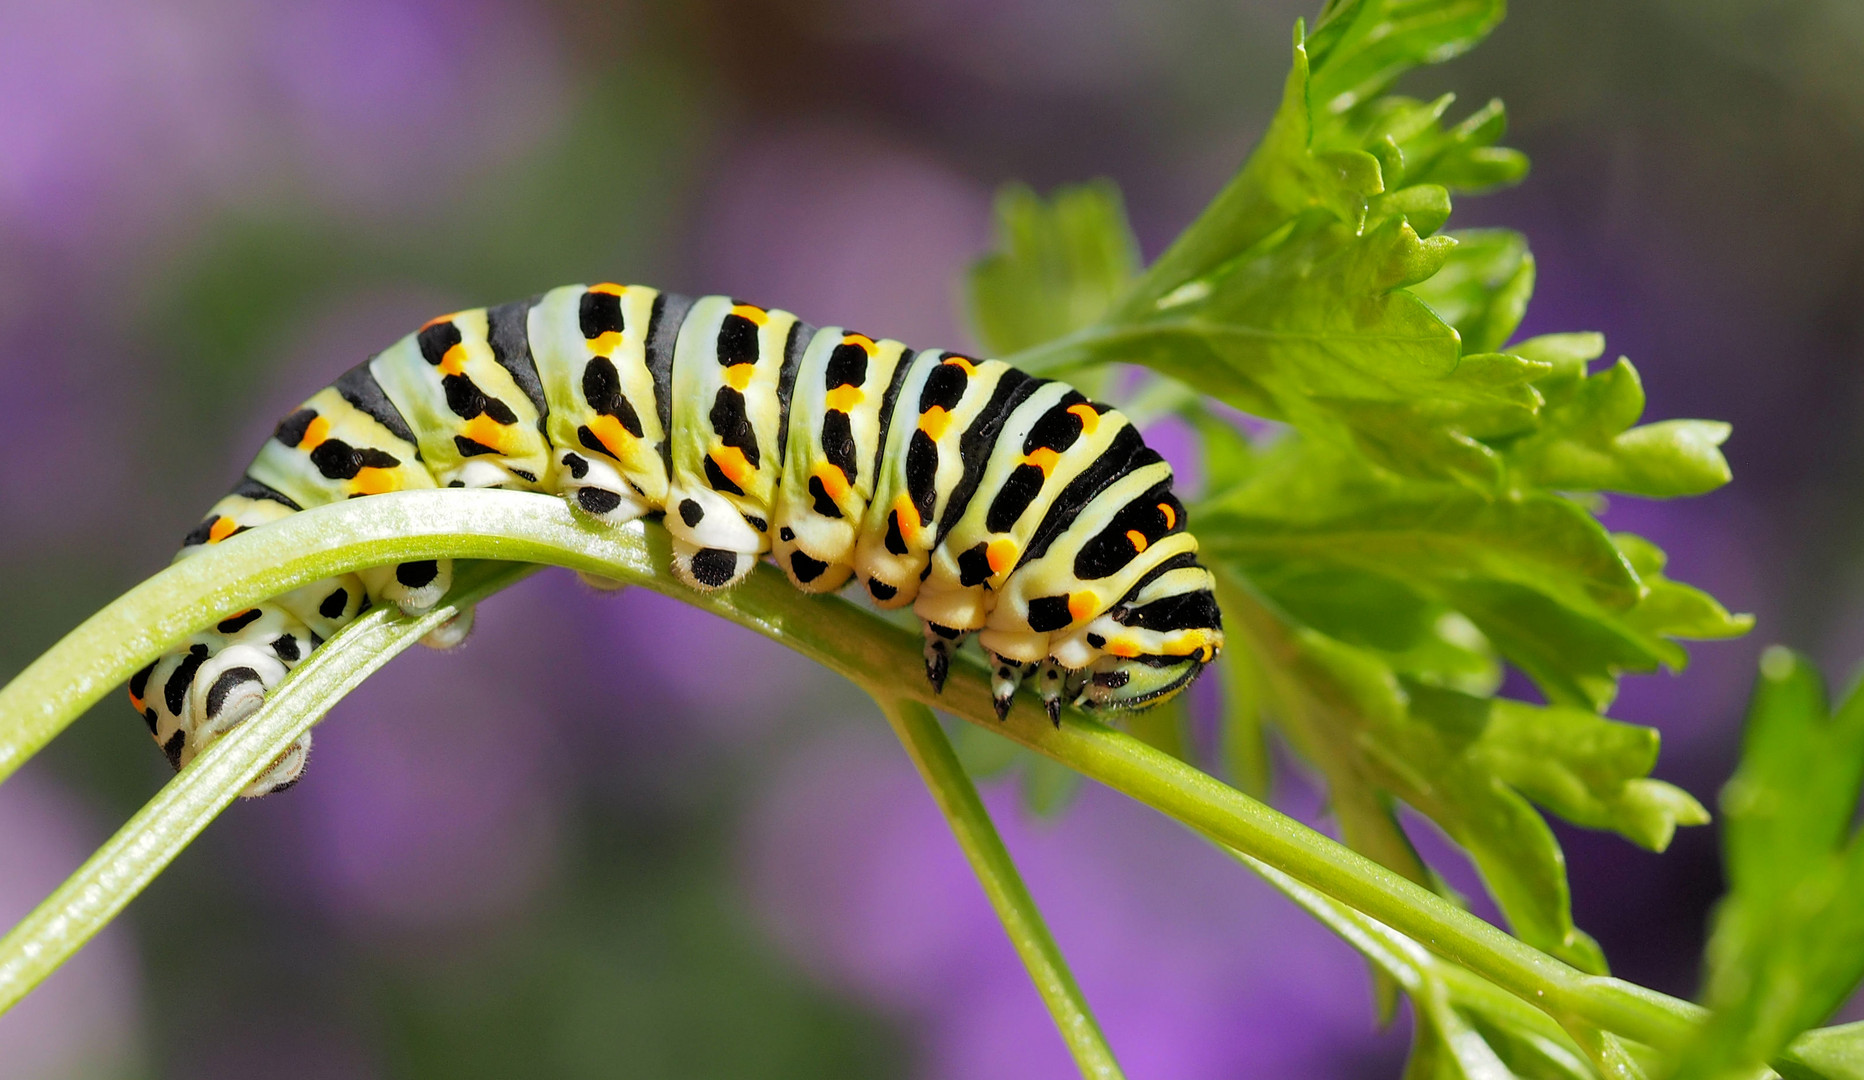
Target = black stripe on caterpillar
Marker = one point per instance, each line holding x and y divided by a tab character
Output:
995	503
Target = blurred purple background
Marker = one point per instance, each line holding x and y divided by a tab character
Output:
573	848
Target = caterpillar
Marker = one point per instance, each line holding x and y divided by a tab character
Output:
994	502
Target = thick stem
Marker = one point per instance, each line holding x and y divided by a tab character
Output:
882	656
938	766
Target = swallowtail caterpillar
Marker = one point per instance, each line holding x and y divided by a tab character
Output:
993	502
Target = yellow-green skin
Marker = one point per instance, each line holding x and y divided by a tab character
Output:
992	502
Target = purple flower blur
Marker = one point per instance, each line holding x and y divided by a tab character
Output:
434	796
114	114
860	880
843	226
391	99
83	1020
1715	544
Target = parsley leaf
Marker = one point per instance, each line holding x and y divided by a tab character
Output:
1787	945
1421	511
1062	264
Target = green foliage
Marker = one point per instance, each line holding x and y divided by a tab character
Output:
1361	46
1586	440
1425	516
1063	262
1474	764
1787	946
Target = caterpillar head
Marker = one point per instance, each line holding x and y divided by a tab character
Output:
1137	682
1155	641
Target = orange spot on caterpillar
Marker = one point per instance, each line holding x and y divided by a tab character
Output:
934	421
454	361
834	481
1190	643
486	431
1125	650
1171	516
609	287
866	343
315	433
1089	418
1139	541
605	342
613	437
738	376
1083	605
1043	458
222	528
732	462
908	514
747	311
437	320
1001	555
844	398
373	481
963	362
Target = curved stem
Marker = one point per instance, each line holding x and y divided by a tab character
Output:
144	846
944	776
880	655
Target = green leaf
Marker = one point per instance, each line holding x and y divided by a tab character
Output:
1671	609
1372	562
1229	458
1058	267
1484	287
1834	1053
1414	529
1288	296
1375	734
1471	763
1587	769
1586	441
1245	749
1360	46
1413	146
1283	177
1452	654
1787	944
1372	559
1317	328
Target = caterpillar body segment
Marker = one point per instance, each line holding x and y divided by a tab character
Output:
832	443
995	503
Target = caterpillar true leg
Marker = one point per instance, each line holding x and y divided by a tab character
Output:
992	502
1005	676
941	642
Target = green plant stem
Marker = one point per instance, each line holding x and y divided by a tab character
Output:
143	847
938	766
879	655
1407	962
